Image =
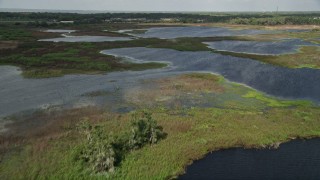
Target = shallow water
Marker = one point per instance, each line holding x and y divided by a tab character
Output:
196	31
18	94
303	83
86	39
294	160
255	47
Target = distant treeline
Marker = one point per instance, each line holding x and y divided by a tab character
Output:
294	20
235	18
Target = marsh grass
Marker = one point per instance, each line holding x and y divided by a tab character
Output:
175	89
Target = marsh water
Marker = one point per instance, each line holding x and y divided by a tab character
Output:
299	159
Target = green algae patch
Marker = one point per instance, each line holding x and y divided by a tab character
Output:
273	102
206	76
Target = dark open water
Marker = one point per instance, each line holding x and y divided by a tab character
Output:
299	159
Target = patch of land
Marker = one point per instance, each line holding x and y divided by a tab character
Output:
43	60
253	121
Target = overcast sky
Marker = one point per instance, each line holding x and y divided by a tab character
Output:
166	5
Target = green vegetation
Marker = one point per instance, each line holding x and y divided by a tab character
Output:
14	34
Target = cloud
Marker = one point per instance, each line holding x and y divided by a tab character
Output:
166	5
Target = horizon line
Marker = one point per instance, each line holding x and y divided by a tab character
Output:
137	11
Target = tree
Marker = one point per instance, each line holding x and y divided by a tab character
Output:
145	130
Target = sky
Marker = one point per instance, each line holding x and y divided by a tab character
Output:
165	5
